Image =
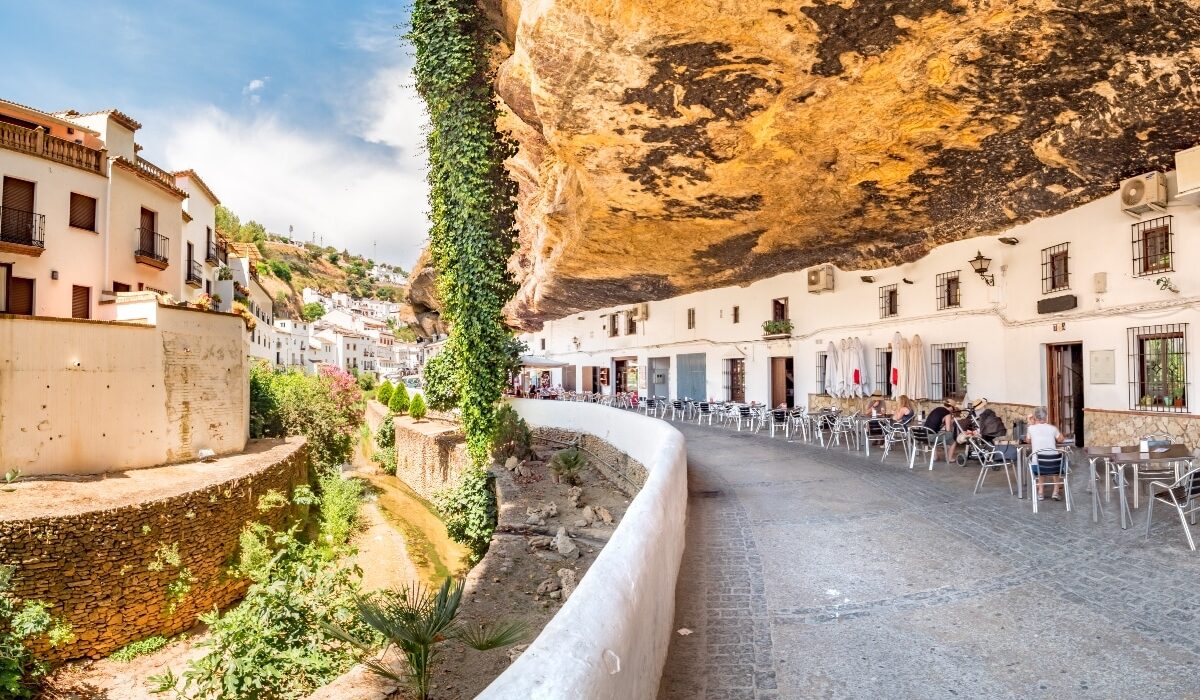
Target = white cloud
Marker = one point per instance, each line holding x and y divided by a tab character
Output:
254	88
353	194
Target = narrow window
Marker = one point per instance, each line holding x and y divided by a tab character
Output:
779	309
1152	246
81	302
1056	272
949	373
691	318
948	290
612	326
888	301
883	372
822	370
83	212
737	314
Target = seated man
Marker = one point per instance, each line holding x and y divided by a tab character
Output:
1042	436
941	421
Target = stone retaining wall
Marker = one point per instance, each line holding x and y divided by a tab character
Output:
1008	412
430	455
109	572
623	471
1126	427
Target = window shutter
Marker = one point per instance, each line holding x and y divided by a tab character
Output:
83	212
20	296
18	194
81	302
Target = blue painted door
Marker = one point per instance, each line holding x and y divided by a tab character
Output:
690	372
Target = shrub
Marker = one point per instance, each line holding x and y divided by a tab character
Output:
441	389
133	650
512	437
384	393
327	409
386	459
566	464
312	311
399	401
469	511
386	435
281	269
366	381
416	408
339	500
21	623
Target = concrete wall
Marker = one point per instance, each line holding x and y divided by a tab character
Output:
1005	335
610	638
85	397
101	570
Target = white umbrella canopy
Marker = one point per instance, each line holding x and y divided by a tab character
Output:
846	380
919	386
859	375
832	369
899	357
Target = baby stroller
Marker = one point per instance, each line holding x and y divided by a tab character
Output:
983	424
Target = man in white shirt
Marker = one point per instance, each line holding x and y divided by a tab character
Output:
1044	437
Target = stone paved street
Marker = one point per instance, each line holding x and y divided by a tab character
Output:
813	573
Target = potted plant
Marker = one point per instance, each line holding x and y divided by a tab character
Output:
224	273
777	327
1179	400
1145	401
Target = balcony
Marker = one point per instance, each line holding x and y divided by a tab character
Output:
152	249
38	143
195	274
22	232
212	257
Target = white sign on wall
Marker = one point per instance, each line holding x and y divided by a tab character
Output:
1103	367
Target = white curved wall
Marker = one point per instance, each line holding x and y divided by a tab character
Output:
610	638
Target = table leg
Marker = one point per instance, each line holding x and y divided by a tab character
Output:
1020	473
1124	498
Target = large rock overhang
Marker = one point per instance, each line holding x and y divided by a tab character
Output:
667	147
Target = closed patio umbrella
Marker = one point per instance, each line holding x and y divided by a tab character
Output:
832	369
919	388
859	356
899	365
846	380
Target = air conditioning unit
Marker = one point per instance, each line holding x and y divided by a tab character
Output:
1144	194
820	279
641	312
1187	175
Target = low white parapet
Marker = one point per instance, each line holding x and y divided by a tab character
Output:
610	638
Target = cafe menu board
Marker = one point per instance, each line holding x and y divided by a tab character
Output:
604	376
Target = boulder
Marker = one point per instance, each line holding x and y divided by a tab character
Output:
564	546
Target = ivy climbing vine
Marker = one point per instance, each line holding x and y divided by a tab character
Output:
472	209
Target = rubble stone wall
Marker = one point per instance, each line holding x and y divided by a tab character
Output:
623	471
110	573
430	455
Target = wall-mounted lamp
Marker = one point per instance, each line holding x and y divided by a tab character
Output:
906	281
54	274
868	278
980	265
1009	240
575	340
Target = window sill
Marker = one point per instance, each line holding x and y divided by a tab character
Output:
84	230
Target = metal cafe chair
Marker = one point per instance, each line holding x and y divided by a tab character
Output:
896	434
745	415
922	438
800	422
1183	495
678	410
843	426
649	406
704	412
779	421
1049	463
990	458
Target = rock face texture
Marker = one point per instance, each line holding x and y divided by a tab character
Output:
667	147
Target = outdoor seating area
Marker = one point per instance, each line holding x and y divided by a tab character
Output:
1148	472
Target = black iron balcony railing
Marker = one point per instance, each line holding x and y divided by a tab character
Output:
152	246
194	274
212	253
22	227
223	252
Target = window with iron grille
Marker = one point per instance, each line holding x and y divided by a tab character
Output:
1056	270
630	323
948	291
889	301
883	372
949	373
691	318
822	368
612	326
1152	247
1158	368
737	314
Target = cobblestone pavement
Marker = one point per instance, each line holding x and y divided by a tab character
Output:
813	573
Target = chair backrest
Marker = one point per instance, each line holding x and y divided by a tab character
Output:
922	434
1190	483
744	411
779	415
677	404
705	407
1050	461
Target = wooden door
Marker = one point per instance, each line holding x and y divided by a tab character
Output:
737	380
81	302
16	219
1065	401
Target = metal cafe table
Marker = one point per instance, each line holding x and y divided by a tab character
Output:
1119	458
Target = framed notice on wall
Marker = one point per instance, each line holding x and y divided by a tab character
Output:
604	376
1102	367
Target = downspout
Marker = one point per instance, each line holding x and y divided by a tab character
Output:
107	281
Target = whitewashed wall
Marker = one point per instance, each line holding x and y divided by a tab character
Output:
1006	336
610	638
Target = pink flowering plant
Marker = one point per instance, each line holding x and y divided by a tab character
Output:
327	409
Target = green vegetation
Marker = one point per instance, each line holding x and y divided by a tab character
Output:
22	623
416	408
416	621
472	203
469	511
512	437
280	269
440	376
312	311
399	401
275	644
327	409
133	650
567	464
384	393
366	381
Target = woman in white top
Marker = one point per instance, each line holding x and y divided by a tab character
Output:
1043	437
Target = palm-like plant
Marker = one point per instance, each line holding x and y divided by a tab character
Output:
416	620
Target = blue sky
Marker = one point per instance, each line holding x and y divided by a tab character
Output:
295	113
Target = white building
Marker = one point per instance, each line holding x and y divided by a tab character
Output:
1092	313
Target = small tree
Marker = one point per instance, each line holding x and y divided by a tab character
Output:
384	393
312	311
399	400
512	437
366	381
416	407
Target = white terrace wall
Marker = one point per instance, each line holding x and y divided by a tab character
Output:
1006	337
85	397
610	638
